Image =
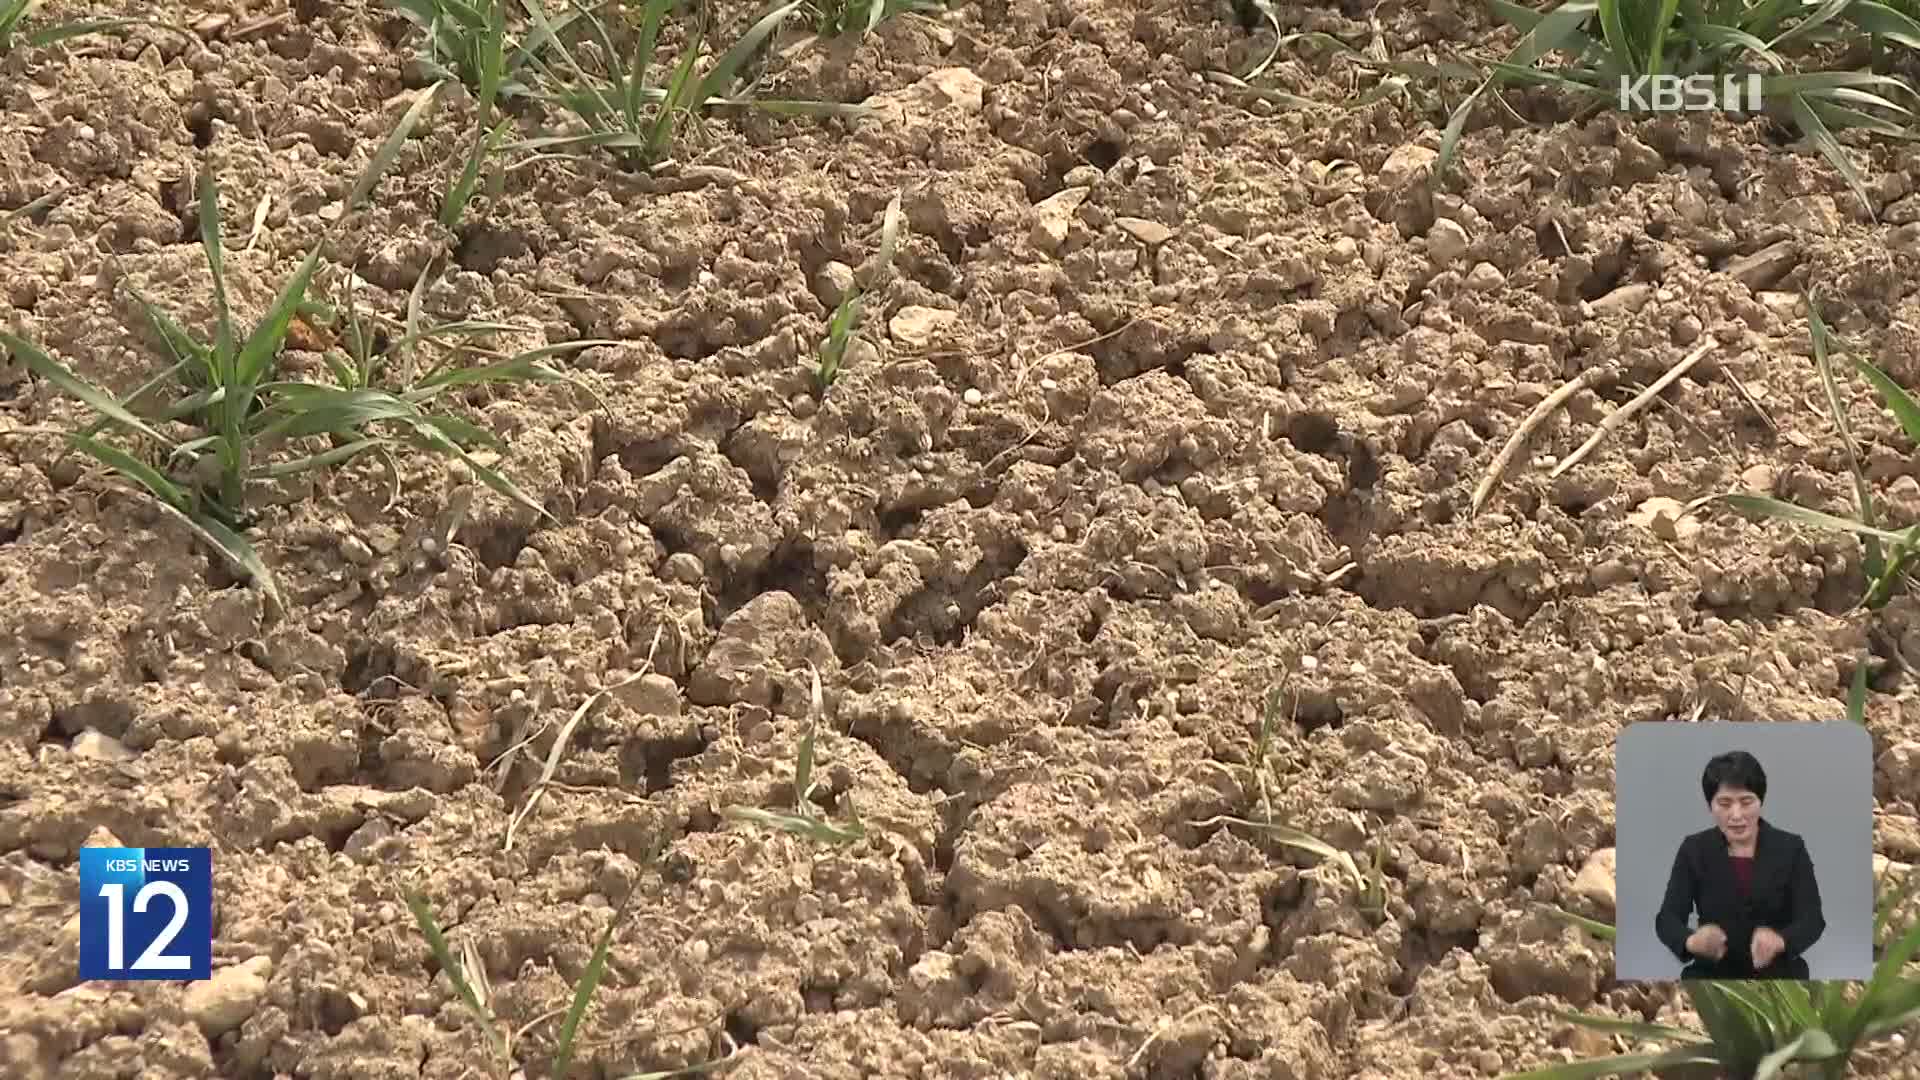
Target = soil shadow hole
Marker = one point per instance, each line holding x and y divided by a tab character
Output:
742	1031
651	760
1313	711
1313	432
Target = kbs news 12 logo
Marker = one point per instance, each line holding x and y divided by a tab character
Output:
146	913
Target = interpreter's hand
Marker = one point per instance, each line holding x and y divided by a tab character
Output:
1767	947
1709	942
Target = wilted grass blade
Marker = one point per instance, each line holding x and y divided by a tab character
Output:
526	367
438	439
319	410
1456	127
228	544
226	374
1898	401
326	459
1620	1065
1304	841
1632	1029
678	93
1822	345
812	828
460	193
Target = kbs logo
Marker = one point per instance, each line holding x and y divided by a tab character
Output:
146	913
1690	93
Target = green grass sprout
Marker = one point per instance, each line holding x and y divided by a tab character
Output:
627	112
804	819
467	41
837	17
1887	568
843	327
469	980
245	423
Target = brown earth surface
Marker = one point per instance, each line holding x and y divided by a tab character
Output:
1104	472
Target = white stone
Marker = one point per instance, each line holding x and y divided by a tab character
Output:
1053	215
224	1002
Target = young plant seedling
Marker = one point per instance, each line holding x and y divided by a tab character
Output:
1888	568
1263	742
241	414
466	41
804	819
833	18
469	978
843	328
1612	40
626	112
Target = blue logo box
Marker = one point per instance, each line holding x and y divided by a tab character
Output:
146	913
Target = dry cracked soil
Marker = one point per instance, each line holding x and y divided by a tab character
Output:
1174	397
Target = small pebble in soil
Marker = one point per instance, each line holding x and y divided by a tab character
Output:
973	396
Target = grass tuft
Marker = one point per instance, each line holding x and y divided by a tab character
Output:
467	41
1777	40
1887	567
1816	60
628	109
834	18
229	421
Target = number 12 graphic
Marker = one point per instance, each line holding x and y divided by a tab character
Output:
155	903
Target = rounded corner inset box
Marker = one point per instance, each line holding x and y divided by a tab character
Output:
1743	851
146	913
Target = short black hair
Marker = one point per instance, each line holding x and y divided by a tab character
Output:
1734	769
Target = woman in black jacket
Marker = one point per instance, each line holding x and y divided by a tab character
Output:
1752	884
